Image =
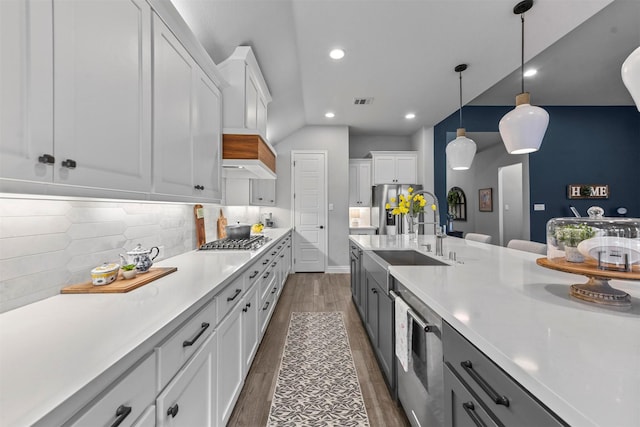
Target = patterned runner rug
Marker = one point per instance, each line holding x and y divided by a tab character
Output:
317	383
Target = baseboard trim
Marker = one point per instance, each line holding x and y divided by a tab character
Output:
338	269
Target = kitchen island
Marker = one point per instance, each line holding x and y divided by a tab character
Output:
60	354
581	361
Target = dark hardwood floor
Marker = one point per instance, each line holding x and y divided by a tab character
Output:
314	292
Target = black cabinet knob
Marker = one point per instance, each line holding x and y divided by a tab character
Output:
173	410
70	164
47	159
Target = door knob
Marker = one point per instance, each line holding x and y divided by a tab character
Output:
321	227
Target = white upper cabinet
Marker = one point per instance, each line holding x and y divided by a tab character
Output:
76	102
102	86
359	183
247	97
186	122
263	192
394	167
26	90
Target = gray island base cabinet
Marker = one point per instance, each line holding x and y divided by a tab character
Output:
478	392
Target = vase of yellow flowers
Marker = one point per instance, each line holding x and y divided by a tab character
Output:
402	206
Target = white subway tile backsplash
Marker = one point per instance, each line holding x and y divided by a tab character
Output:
95	214
87	230
13	247
47	244
22	266
32	225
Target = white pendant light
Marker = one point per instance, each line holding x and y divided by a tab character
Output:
631	75
523	128
461	150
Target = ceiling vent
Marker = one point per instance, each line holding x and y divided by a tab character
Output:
362	101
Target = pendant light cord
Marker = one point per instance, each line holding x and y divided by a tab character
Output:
460	98
522	56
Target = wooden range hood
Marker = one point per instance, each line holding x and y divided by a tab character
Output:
248	156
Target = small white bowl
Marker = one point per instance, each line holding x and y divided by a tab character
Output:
129	274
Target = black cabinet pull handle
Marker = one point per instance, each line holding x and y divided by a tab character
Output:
47	159
248	305
273	253
470	409
259	198
274	264
234	295
199	187
266	275
265	262
374	290
71	164
271	201
266	306
282	256
274	290
245	309
255	273
122	412
484	385
173	410
192	341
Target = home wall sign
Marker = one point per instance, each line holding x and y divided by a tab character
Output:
588	191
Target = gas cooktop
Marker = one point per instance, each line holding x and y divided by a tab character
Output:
253	242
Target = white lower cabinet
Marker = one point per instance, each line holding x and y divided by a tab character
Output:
230	363
124	401
250	326
147	419
189	399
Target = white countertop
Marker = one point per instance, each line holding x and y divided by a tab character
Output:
56	349
580	360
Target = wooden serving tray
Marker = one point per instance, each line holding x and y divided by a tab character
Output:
588	269
120	285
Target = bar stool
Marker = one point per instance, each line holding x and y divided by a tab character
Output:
528	246
477	237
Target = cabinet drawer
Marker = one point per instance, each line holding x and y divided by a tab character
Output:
126	400
229	297
267	307
268	282
503	396
181	345
461	408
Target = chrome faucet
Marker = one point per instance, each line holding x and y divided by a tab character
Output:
436	220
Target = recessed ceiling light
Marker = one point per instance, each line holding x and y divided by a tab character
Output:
530	72
336	54
329	115
410	116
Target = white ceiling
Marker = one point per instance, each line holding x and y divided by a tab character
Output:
402	53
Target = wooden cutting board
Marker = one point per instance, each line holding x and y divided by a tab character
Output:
222	223
198	213
121	285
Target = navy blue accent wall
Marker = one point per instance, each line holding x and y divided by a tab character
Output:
582	145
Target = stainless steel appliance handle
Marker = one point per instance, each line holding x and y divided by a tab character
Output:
425	326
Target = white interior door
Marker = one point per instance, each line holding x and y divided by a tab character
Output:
309	186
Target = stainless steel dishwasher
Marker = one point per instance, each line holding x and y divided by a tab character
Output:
421	388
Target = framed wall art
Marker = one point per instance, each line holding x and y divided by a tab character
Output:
485	199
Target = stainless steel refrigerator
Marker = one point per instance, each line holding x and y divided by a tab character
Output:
386	222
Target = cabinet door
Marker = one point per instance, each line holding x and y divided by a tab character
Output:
188	399
372	309
263	192
230	363
173	95
384	169
26	89
251	102
386	350
250	327
147	419
364	184
406	169
207	138
102	83
354	187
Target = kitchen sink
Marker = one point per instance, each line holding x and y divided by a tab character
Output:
407	257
